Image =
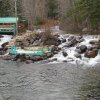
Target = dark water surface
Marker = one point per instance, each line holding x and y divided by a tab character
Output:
19	81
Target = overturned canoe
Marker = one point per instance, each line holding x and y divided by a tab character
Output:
39	52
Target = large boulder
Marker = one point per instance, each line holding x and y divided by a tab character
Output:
93	42
83	48
91	54
64	54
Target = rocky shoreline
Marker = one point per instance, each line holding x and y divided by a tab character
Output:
44	39
82	49
66	47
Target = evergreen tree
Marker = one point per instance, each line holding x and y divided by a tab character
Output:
88	10
5	8
52	8
19	8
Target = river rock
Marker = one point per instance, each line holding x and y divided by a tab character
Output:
31	41
91	54
55	49
32	58
52	41
65	61
68	44
36	43
63	40
43	38
78	55
74	41
70	59
25	43
93	42
81	40
37	36
4	44
78	38
78	47
97	46
78	50
16	57
1	36
1	49
5	49
71	43
64	54
70	38
29	61
20	58
54	59
9	57
89	48
83	48
49	55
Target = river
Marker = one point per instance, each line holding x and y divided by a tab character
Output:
50	81
41	81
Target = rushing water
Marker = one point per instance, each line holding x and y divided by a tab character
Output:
71	51
5	38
